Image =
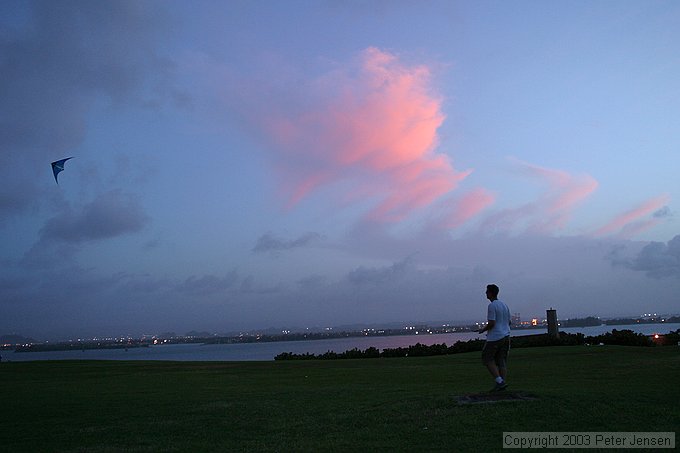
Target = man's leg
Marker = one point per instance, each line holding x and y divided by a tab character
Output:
494	370
489	358
501	358
502	372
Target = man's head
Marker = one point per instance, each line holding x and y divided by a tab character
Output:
492	292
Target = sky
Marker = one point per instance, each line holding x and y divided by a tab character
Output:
243	165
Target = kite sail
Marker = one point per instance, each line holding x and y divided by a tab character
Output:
58	166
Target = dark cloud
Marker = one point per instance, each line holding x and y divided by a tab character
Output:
617	256
380	275
208	284
663	213
109	215
16	199
144	284
45	255
659	260
269	243
313	282
249	286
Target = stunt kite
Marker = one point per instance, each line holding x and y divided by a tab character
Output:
58	166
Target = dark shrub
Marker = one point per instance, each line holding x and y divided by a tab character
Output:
622	338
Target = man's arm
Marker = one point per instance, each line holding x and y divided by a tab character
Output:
489	325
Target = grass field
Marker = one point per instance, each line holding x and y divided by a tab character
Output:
401	404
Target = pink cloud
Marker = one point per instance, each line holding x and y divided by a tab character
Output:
371	125
631	222
565	192
635	228
553	209
465	208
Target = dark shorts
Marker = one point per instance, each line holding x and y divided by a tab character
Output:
496	351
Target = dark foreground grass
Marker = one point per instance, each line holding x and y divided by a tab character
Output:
404	404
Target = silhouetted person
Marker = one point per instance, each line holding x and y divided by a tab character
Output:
497	346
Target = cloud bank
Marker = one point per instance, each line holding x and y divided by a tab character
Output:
659	260
269	243
109	215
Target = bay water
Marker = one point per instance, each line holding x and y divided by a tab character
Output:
265	351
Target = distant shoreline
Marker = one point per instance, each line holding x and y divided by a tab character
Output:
249	339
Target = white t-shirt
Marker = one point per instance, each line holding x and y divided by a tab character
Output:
500	313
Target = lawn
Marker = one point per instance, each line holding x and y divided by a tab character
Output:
400	404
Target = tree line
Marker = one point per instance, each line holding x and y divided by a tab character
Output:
615	337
